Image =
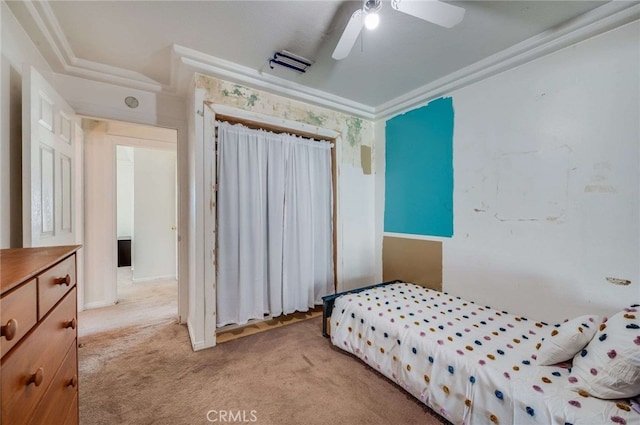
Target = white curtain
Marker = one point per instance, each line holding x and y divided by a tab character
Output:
275	224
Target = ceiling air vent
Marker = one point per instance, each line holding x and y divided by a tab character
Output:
290	60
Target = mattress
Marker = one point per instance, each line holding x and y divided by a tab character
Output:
471	364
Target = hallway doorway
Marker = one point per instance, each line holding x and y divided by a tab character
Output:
131	225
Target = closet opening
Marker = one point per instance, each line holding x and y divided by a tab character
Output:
323	210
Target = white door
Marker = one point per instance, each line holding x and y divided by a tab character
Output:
49	141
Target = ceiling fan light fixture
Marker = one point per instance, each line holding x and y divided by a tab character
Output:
371	17
371	20
434	11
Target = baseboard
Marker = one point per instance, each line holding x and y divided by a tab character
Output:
195	345
98	304
231	332
149	279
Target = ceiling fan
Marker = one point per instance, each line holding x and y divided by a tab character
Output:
435	11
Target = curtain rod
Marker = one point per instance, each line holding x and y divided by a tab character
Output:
273	128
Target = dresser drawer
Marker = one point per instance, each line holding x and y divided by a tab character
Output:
54	283
29	369
72	415
18	314
60	395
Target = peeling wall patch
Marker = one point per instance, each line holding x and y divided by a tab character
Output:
617	281
365	159
315	119
355	132
600	188
354	126
604	165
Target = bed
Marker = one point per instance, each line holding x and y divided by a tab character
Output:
473	364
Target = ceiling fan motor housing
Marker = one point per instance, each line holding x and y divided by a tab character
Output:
372	6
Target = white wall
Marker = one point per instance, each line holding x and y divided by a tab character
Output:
125	191
154	214
356	219
546	183
379	183
100	223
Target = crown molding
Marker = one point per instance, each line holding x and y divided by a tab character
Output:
50	28
54	33
597	21
217	67
183	60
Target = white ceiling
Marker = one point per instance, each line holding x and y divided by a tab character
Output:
136	39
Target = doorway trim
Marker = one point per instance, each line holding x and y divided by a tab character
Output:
210	111
102	252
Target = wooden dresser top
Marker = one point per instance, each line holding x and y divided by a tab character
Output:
20	264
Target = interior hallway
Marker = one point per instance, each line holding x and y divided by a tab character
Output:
139	303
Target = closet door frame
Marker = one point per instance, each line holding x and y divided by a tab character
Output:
213	111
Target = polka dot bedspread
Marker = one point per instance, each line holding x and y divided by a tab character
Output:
469	363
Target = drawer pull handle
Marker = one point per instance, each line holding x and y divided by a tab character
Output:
71	324
66	281
10	330
36	378
73	382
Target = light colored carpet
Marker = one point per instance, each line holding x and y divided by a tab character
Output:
289	375
137	368
139	303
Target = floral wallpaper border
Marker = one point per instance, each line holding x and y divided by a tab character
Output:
356	132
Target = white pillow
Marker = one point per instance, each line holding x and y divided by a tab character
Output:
565	340
609	366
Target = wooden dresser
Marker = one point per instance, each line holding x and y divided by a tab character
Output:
39	337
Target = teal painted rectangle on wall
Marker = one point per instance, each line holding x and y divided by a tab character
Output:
419	171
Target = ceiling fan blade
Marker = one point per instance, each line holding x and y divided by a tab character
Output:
349	36
443	14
